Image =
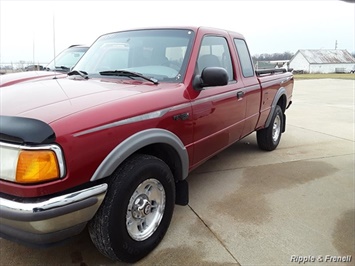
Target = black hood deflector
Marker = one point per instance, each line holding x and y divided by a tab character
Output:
24	130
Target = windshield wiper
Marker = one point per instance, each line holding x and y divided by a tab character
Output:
125	73
62	67
83	74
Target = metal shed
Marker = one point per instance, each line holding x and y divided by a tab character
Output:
322	61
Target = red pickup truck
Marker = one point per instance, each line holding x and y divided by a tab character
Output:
111	145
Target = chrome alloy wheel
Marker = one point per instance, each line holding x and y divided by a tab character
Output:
145	209
276	128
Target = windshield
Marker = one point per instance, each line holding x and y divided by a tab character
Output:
67	59
158	54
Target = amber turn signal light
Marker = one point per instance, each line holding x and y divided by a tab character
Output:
36	166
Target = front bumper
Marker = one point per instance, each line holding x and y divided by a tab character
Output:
52	220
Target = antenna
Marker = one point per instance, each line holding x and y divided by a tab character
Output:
55	73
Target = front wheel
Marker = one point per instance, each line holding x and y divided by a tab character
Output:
269	138
137	209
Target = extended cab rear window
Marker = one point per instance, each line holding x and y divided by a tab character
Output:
244	57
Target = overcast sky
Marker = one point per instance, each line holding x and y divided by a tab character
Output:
27	27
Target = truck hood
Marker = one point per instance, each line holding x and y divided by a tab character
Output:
51	100
14	78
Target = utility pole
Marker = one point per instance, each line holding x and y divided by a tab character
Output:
336	44
33	51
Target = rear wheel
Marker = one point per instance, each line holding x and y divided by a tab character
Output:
269	138
137	209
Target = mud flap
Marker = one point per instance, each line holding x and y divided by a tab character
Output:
284	125
182	193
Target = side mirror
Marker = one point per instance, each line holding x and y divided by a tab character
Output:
210	77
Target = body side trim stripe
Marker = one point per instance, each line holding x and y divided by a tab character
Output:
130	120
252	88
143	117
218	96
157	113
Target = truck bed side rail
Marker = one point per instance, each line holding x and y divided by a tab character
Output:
260	72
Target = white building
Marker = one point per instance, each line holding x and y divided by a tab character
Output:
322	61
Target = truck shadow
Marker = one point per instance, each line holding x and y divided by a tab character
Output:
78	250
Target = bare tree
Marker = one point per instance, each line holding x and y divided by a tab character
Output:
272	57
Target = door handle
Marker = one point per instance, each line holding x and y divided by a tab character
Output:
240	94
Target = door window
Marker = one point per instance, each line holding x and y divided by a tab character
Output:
214	52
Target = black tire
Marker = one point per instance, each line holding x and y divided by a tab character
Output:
115	226
269	138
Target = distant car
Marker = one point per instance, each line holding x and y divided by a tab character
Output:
34	68
67	59
58	67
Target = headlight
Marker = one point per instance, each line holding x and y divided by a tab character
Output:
22	164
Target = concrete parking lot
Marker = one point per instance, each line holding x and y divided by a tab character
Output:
249	207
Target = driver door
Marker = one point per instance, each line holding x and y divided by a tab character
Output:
218	112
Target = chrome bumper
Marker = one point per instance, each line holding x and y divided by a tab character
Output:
51	220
